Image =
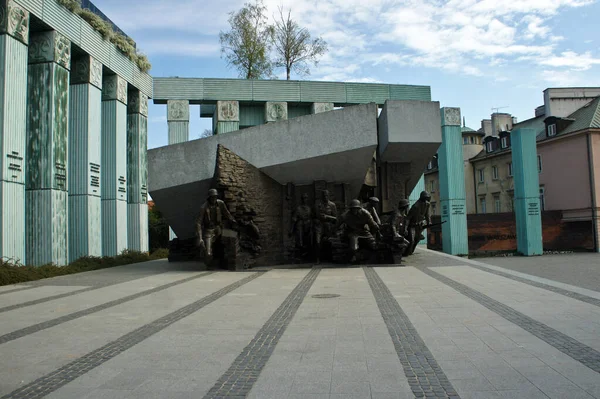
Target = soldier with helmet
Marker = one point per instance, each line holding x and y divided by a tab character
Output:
399	225
325	219
301	226
209	223
370	207
359	226
418	217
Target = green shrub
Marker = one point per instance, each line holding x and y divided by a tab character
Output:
99	25
13	274
72	5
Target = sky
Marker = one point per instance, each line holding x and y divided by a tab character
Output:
476	55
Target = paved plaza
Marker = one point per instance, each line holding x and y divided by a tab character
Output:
437	326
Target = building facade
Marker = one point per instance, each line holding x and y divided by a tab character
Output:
74	134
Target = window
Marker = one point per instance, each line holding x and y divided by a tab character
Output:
432	186
494	172
504	142
510	171
489	146
542	198
551	130
482	205
539	164
497	203
465	140
472	139
429	165
481	175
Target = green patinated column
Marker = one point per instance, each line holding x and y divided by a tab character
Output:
114	165
46	194
452	185
85	118
178	121
227	115
414	197
14	38
137	171
527	192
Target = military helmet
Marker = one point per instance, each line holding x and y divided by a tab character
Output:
403	203
425	196
213	193
374	199
355	204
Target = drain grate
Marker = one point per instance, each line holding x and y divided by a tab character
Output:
324	296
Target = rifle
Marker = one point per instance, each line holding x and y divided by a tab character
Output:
433	224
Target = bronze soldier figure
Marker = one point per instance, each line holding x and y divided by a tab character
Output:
209	224
418	217
359	226
370	207
399	225
325	219
302	223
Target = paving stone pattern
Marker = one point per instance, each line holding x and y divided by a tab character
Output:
53	381
239	379
570	294
582	353
59	320
424	375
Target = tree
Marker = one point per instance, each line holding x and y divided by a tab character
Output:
205	133
294	47
246	46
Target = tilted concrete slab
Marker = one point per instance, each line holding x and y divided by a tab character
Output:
335	146
409	133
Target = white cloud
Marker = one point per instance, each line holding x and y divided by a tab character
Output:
562	78
570	59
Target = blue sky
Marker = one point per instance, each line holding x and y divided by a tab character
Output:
475	55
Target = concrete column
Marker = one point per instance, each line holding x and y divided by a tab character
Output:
414	197
14	38
227	115
527	192
47	149
114	165
276	111
452	185
317	108
137	171
85	119
178	119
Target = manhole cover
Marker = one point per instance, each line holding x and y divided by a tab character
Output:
325	296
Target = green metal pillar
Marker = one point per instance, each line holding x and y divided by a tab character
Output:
414	197
527	192
46	204
178	121
14	38
137	171
452	185
85	119
114	165
227	114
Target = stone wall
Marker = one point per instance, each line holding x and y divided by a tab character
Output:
247	192
496	232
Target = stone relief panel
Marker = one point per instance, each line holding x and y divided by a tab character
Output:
137	103
14	20
87	70
50	46
450	116
276	111
178	110
114	88
317	108
228	111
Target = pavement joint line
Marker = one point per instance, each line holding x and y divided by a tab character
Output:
425	377
69	372
486	268
85	312
17	290
571	347
239	379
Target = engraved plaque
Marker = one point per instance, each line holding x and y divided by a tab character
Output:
450	116
275	111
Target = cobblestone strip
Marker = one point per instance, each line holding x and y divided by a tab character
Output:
59	320
46	299
582	353
58	378
17	290
562	291
424	375
239	379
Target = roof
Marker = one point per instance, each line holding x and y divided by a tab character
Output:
586	117
466	129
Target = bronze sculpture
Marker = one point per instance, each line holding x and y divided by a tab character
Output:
359	226
301	228
399	226
209	224
370	207
324	222
418	217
